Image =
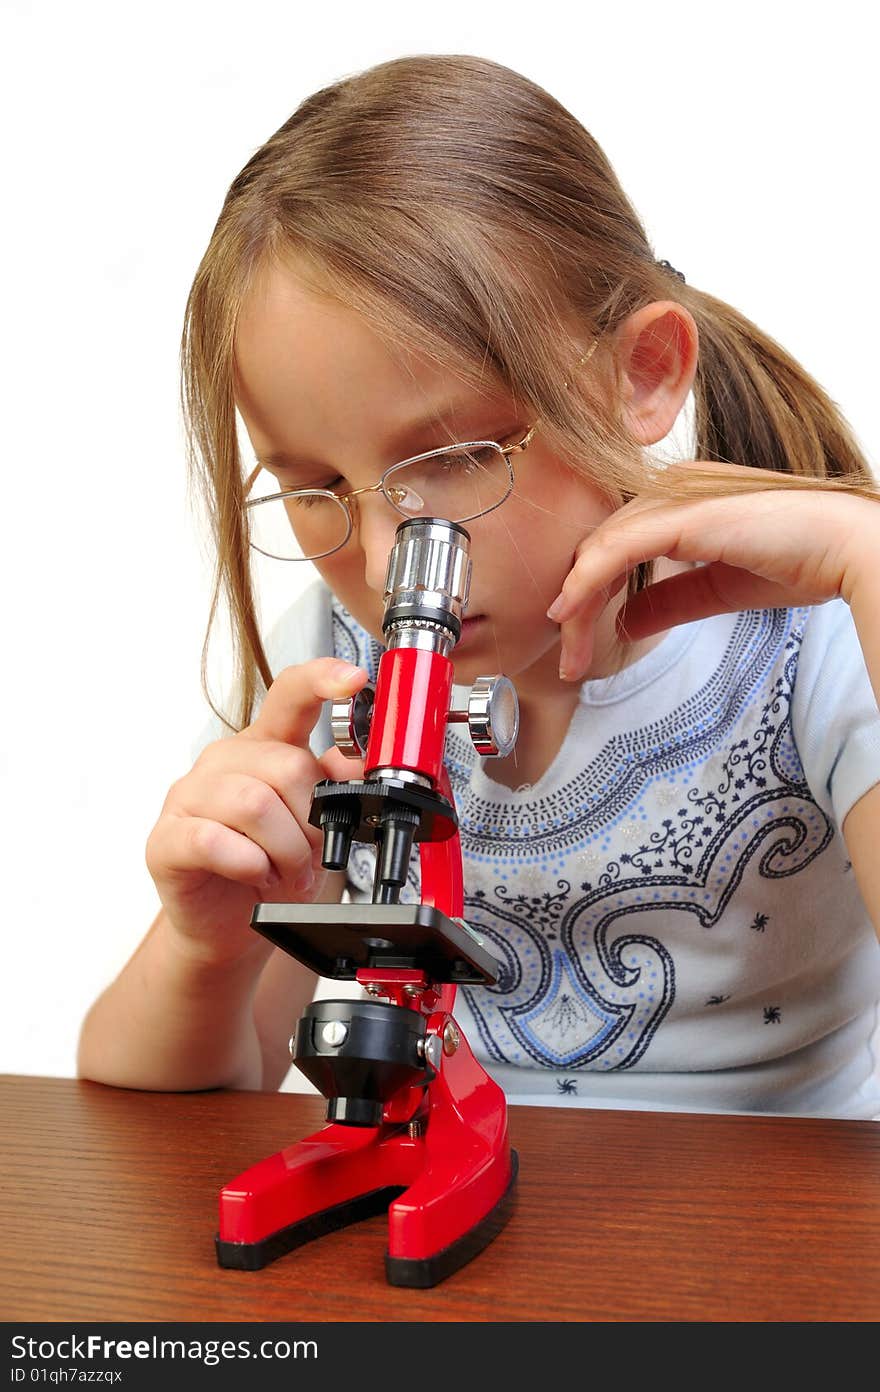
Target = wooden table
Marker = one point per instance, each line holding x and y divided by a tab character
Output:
109	1210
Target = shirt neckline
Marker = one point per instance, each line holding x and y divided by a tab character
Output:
601	691
604	691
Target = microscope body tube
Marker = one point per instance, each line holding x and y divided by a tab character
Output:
410	711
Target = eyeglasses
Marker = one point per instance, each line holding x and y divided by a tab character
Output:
458	482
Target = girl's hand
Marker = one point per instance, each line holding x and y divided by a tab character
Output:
760	550
235	830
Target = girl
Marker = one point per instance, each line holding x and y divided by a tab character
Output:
677	865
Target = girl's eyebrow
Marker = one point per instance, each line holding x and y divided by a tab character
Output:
398	441
281	458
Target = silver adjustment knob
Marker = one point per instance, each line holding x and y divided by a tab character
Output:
492	716
350	721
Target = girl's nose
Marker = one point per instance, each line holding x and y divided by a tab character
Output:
376	525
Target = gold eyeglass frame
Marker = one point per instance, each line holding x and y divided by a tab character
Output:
518	447
388	490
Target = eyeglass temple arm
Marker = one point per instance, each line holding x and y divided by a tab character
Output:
522	444
527	439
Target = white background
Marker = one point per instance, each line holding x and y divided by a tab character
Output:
746	137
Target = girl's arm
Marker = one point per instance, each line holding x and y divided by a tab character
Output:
172	1021
284	990
180	1024
864	602
191	1009
861	832
861	826
773	548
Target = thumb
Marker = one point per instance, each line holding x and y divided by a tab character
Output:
293	702
339	767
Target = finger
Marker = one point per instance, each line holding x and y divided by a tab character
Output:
601	569
697	594
577	632
180	846
254	809
292	773
293	702
338	767
605	560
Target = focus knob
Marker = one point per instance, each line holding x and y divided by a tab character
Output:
492	716
350	721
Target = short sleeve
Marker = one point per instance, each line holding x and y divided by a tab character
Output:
835	720
302	632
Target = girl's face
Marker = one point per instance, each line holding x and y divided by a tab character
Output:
316	384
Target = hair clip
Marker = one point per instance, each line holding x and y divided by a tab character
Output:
668	266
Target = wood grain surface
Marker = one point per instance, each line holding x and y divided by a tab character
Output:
109	1210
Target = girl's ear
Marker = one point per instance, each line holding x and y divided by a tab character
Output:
657	350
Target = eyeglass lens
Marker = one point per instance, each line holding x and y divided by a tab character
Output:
459	485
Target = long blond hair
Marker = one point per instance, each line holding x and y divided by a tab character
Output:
471	218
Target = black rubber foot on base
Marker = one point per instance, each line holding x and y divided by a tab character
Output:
430	1271
252	1256
400	1271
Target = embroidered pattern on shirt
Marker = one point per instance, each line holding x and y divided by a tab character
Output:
587	893
352	643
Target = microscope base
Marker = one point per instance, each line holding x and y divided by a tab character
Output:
414	1272
447	1182
430	1271
253	1256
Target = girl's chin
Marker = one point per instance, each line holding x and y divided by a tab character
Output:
488	654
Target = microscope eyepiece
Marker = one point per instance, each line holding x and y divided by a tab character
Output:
427	581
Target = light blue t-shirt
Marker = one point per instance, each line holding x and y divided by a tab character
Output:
672	904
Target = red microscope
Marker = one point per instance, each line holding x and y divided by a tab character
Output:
415	1125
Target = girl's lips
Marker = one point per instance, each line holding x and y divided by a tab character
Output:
470	625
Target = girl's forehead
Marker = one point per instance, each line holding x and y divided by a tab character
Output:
300	351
